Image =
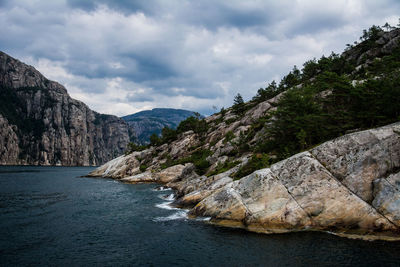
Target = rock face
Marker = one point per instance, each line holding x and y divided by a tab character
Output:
350	186
42	125
387	42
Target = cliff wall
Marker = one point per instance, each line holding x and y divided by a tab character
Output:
42	125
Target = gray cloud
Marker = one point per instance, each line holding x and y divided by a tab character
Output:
123	56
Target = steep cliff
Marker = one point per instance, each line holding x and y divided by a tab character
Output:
321	151
42	125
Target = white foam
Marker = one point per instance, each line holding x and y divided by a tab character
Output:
206	219
166	206
180	215
161	188
169	197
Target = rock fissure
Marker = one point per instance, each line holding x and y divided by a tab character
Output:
239	198
294	199
378	212
394	186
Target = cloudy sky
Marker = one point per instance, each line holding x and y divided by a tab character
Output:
120	57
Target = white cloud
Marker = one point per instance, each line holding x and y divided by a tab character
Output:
122	57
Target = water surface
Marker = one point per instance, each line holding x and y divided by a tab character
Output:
50	216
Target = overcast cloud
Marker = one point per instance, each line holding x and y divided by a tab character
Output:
120	57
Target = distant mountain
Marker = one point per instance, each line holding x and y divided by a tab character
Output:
147	122
40	124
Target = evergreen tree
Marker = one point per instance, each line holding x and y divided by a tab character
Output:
238	100
154	140
238	104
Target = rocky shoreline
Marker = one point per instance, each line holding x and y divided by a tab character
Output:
349	186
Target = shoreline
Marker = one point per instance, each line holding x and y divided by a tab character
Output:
258	230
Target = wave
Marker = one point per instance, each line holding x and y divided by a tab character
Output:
166	206
204	219
169	197
180	215
161	188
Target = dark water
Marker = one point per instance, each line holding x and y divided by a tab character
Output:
48	216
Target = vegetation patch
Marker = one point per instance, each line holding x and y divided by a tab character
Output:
143	167
198	158
192	123
227	165
132	147
228	137
256	162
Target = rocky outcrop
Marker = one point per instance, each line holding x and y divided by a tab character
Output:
356	160
42	125
385	44
348	186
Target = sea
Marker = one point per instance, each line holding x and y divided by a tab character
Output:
53	216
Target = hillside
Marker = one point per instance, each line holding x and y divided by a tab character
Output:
303	154
42	125
148	122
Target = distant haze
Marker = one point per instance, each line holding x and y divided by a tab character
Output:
147	122
121	57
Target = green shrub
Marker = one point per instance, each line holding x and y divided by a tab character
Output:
229	121
227	165
256	162
143	167
132	147
168	135
198	158
194	124
228	137
155	140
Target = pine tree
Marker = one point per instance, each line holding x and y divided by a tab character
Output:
238	100
238	104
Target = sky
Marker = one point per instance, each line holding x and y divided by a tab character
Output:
121	57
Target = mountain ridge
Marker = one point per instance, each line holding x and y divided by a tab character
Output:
148	122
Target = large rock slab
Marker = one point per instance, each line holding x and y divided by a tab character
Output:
295	194
120	167
173	173
144	177
202	191
328	202
225	204
270	207
359	158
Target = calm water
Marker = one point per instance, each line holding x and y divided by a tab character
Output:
49	216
